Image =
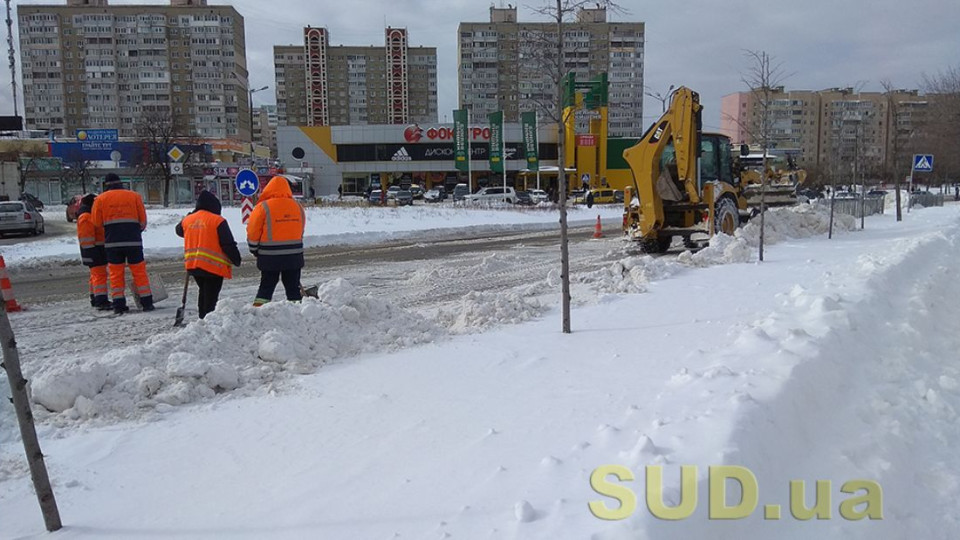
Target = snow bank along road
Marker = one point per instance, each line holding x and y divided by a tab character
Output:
831	360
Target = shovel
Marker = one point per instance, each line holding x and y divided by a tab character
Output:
183	302
310	291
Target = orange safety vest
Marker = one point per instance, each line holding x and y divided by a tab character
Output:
201	244
91	241
276	225
121	215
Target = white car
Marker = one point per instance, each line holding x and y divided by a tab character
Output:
493	194
538	195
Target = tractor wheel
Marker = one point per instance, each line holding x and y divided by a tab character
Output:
655	245
726	217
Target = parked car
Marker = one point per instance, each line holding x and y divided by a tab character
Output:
600	196
538	195
460	191
392	192
73	207
20	217
435	194
524	198
846	195
404	197
417	191
375	197
876	193
32	199
493	194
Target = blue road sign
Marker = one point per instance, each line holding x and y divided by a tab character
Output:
923	162
247	182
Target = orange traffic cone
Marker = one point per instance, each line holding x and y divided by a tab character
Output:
8	300
598	229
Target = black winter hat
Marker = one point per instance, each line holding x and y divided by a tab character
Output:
112	181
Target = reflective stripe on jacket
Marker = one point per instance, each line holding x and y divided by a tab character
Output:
120	214
275	228
201	244
91	241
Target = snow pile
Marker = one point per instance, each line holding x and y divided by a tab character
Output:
237	347
802	221
480	310
630	275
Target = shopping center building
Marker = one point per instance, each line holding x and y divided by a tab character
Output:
361	155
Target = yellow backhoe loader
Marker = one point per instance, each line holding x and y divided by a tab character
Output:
685	182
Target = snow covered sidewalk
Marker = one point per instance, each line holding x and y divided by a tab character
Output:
832	360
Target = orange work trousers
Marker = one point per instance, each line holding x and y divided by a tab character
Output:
140	279
98	281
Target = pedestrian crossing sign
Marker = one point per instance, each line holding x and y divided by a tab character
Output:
923	162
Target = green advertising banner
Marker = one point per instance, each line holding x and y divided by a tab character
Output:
461	145
528	127
496	141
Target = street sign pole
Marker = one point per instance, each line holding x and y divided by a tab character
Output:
910	188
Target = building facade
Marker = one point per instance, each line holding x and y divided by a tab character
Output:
92	65
265	127
357	157
504	65
827	127
319	84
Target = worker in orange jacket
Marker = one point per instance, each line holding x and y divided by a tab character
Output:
209	250
275	237
92	253
120	214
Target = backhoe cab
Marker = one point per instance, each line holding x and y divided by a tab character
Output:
685	182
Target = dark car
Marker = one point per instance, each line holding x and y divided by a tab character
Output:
32	199
376	197
73	207
524	199
876	193
404	197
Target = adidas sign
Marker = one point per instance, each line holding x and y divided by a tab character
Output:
401	155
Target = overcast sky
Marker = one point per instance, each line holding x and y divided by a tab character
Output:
700	44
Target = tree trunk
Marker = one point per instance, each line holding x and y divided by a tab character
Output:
28	431
562	178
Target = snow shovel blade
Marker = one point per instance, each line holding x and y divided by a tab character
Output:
310	291
178	321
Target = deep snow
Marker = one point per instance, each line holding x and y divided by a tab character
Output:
830	360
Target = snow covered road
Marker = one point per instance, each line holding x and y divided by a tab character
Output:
832	360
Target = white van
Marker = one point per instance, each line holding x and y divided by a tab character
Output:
493	194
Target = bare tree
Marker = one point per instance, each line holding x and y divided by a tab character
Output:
159	133
553	64
896	159
762	77
77	170
940	133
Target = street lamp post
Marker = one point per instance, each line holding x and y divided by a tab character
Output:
252	91
663	98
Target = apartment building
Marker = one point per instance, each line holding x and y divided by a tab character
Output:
92	65
265	127
508	65
319	84
827	127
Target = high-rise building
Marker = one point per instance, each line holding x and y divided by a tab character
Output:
508	65
319	84
92	65
827	127
265	127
